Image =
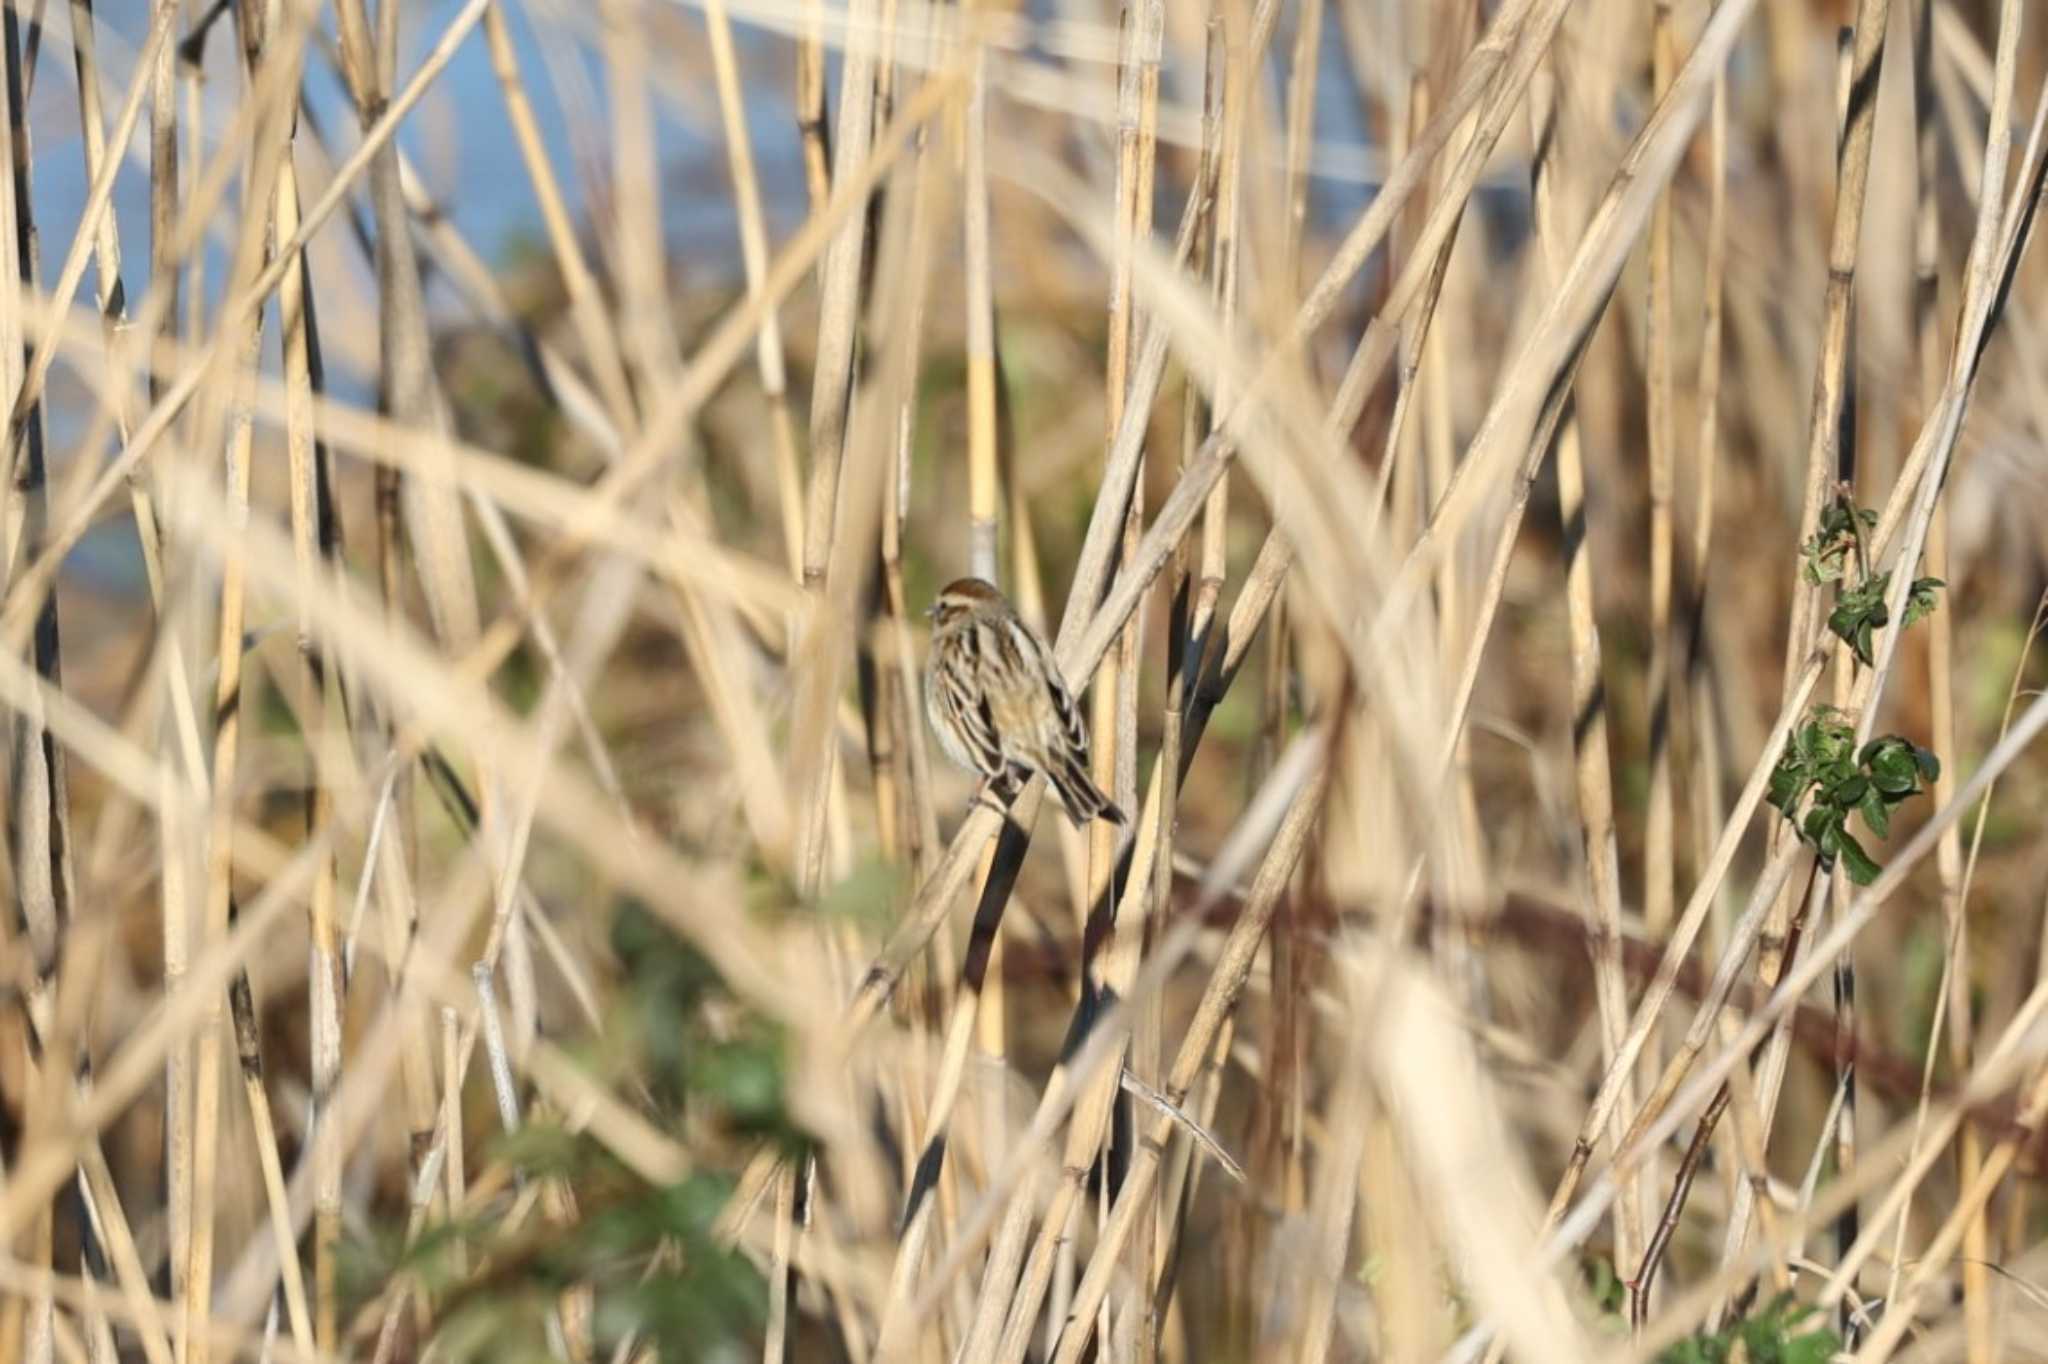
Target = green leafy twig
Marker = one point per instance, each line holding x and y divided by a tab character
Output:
1839	537
1860	609
1821	761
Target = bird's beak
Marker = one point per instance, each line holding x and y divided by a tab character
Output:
932	612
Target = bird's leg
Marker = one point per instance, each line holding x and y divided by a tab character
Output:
999	791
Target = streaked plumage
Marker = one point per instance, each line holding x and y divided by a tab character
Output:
997	700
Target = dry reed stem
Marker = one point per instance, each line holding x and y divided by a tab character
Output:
586	308
219	413
1703	699
1660	680
39	817
1588	717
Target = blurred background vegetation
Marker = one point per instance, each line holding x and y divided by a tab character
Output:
478	883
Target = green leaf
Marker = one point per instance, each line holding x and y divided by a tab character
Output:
1929	764
1846	791
1876	816
1844	619
1861	869
1788	783
1920	599
1837	739
1894	770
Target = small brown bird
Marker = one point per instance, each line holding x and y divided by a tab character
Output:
998	702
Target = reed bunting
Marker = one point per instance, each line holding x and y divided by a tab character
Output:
997	700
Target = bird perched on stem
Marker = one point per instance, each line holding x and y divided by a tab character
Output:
997	700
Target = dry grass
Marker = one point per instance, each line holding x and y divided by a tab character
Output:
509	753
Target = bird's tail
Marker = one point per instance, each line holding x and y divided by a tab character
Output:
1079	793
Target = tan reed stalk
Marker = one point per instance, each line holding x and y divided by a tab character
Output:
1659	871
1976	1250
175	915
1828	410
754	256
831	631
217	416
1401	468
586	308
1278	1140
711	634
833	383
1592	768
103	1207
112	296
433	525
1701	704
1848	464
812	128
921	831
991	1030
981	333
840	276
646	330
1190	610
315	549
1138	148
39	818
893	1335
1337	1194
1831	371
249	1053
